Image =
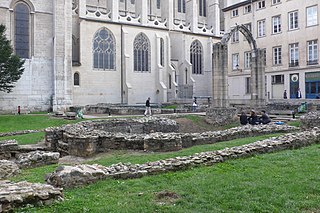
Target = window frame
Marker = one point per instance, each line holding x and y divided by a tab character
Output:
276	24
247	9
314	48
263	31
144	59
234	13
107	65
294	54
277	56
235	61
247	59
293	22
196	57
261	5
76	81
315	19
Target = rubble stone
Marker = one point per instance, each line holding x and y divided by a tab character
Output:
37	158
14	195
73	176
8	169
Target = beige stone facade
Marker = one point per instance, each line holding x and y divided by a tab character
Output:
289	32
87	51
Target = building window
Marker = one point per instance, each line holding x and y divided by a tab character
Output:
158	4
235	37
312	16
235	62
76	79
203	8
248	26
261	4
104	50
277	79
75	50
312	52
22	30
294	55
170	81
161	52
277	57
248	85
276	1
264	56
276	24
142	53
196	57
182	6
261	28
247	60
234	13
247	9
293	20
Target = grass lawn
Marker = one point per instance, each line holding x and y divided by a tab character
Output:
10	123
32	138
286	181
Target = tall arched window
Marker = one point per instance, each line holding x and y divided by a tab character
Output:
76	79
203	8
22	30
75	50
196	57
104	50
182	6
161	52
141	49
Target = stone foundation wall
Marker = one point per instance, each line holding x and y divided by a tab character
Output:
84	140
73	176
310	120
221	116
15	195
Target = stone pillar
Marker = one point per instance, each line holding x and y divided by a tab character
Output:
167	12
142	11
62	92
214	16
82	8
258	79
192	14
219	75
114	7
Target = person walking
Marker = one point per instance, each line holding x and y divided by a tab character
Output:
285	95
148	108
299	95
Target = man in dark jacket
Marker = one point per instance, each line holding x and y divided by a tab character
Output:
253	119
265	119
148	108
243	118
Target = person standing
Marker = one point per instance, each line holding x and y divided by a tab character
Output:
148	108
299	95
285	95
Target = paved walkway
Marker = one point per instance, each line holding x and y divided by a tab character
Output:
93	116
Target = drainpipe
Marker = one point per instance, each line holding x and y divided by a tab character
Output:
122	67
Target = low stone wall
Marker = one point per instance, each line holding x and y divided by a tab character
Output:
221	116
15	195
4	134
37	158
9	149
8	169
310	120
85	140
73	176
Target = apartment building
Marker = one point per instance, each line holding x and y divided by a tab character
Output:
289	33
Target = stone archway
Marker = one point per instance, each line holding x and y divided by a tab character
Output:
220	70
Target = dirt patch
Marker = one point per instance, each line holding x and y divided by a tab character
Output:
166	197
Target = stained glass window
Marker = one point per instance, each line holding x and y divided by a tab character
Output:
22	20
196	57
141	53
104	50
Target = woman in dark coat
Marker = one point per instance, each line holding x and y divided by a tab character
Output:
253	119
243	118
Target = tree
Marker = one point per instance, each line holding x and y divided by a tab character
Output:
11	66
